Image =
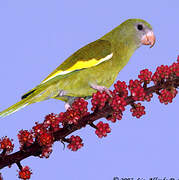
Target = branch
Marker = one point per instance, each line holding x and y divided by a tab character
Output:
106	108
35	149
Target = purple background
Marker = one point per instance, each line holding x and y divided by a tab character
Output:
36	36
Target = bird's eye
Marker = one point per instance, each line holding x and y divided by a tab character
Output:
140	27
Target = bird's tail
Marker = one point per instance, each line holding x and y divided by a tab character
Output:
12	109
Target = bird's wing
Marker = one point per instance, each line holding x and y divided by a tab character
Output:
86	57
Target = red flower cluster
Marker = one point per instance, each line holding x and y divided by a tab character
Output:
81	106
99	100
25	173
42	133
102	129
39	129
138	110
136	89
6	145
165	79
52	122
145	76
70	116
117	102
120	88
166	96
25	138
45	139
75	143
175	67
162	72
77	111
118	105
165	72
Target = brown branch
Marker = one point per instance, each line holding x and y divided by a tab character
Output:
35	149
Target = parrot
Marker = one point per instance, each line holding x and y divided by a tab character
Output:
92	68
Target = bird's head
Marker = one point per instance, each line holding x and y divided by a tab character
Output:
133	32
139	31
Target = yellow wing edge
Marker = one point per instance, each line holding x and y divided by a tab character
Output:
79	65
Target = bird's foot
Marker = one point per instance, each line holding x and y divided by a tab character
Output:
67	106
69	103
101	89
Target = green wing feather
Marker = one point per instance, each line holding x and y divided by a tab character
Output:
95	50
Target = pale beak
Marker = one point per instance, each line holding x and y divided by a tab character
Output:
148	39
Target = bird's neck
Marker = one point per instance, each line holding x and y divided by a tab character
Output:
122	52
122	48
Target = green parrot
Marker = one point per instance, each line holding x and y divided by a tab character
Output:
91	68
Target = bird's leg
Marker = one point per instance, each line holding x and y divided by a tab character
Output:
69	102
70	99
61	94
67	106
101	89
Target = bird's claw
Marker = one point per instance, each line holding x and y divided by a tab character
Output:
101	89
67	106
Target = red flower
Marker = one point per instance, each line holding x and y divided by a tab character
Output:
120	88
138	110
99	100
39	129
71	116
80	105
25	138
102	129
75	143
145	76
45	139
77	111
6	145
137	91
166	96
25	173
175	68
118	103
162	73
52	122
